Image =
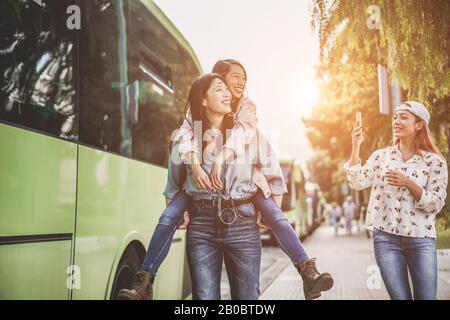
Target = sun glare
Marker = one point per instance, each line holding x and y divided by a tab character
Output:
303	97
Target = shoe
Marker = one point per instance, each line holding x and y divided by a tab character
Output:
314	282
141	288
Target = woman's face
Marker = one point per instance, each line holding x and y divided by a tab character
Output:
404	124
236	81
218	98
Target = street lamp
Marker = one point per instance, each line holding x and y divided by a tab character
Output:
390	95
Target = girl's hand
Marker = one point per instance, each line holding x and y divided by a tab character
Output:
201	178
186	221
396	179
357	136
215	176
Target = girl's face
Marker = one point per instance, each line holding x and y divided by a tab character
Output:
404	124
218	98
236	81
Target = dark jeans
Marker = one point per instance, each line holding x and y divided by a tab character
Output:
396	255
283	231
165	229
171	217
210	243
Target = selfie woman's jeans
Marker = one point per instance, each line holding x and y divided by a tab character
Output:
396	255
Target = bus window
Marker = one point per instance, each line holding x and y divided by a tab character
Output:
162	74
151	54
103	79
36	67
186	71
134	81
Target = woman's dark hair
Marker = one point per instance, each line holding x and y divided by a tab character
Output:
196	95
222	67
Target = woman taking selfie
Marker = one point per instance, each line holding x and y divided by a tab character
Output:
408	183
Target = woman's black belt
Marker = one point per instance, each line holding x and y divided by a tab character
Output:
225	202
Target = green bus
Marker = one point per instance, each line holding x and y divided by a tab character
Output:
294	204
90	92
303	204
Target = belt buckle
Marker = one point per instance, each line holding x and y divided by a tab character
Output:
220	211
232	209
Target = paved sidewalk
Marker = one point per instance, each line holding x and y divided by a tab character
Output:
351	261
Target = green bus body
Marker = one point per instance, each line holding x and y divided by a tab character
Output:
294	202
38	197
302	208
78	205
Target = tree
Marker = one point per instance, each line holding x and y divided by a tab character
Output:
413	41
348	84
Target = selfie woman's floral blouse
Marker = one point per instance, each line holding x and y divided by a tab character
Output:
393	209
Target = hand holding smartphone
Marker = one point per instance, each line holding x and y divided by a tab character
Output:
358	132
357	139
358	119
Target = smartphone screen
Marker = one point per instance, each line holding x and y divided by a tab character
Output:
359	118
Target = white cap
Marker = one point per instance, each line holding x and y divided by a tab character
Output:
416	108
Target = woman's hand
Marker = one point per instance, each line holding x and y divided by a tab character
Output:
357	140
216	169
397	179
357	136
215	176
186	221
201	178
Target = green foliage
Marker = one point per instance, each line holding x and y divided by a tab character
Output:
443	238
413	42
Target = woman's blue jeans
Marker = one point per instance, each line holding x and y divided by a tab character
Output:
396	255
210	243
171	217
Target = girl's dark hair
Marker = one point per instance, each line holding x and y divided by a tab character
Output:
222	67
196	95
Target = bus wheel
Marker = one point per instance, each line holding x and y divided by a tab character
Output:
129	264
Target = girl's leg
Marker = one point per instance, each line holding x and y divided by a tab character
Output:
336	226
162	237
283	231
348	223
313	281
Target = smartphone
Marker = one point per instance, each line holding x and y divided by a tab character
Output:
359	118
